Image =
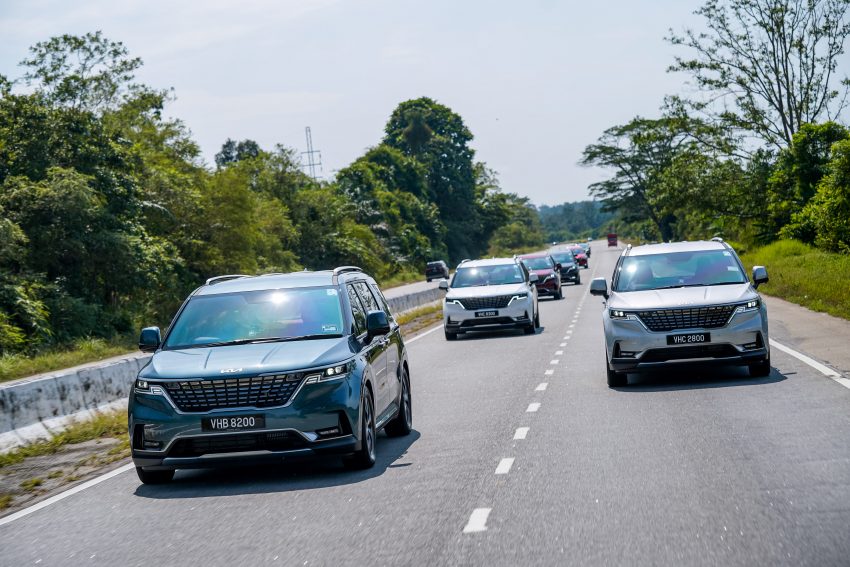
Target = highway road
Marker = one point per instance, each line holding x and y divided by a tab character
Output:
521	455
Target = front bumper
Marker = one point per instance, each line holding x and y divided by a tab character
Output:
548	287
631	347
457	319
570	274
164	437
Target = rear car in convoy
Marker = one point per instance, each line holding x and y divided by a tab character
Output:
548	273
579	254
267	368
569	268
682	303
486	295
436	270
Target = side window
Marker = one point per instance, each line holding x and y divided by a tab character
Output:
382	301
369	301
357	313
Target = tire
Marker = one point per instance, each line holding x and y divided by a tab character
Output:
616	379
760	369
560	294
154	477
451	336
364	458
537	320
402	424
578	280
429	280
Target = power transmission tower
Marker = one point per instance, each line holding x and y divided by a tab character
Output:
314	157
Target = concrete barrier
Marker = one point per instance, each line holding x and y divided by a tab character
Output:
39	406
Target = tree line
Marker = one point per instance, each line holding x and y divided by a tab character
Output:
109	215
756	152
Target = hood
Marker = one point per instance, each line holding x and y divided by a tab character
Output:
682	297
246	360
486	290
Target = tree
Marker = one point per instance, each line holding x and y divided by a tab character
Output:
232	151
766	67
638	153
87	72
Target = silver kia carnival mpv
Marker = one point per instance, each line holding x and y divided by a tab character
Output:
682	303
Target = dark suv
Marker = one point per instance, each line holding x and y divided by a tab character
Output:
264	368
436	270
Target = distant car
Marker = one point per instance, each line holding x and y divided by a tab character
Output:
586	247
436	270
486	295
548	273
569	267
684	303
580	255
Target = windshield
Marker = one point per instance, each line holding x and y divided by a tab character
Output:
541	263
679	269
563	258
488	275
256	315
577	250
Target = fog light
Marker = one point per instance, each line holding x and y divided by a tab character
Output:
751	346
152	444
328	432
628	353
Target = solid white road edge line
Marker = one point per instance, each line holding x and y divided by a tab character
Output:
521	432
428	332
477	521
505	465
822	368
70	492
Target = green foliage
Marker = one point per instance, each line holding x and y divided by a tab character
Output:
805	275
572	221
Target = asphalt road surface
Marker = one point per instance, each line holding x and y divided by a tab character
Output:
521	455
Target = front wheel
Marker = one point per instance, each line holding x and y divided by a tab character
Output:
560	294
760	369
364	458
578	280
402	424
616	379
154	477
450	336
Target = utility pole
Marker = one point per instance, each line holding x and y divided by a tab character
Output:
314	157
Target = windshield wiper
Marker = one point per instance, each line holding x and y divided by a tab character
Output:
270	340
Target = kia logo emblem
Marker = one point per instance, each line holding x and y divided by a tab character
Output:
231	370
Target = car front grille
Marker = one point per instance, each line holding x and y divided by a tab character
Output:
495	302
690	318
251	391
235	443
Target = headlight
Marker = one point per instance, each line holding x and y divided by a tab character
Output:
517	297
620	314
146	387
751	305
331	373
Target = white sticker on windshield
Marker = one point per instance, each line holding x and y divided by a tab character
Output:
329	329
331	291
726	253
731	268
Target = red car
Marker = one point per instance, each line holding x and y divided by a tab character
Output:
581	257
548	273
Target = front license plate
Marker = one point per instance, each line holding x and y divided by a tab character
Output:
233	423
486	313
689	339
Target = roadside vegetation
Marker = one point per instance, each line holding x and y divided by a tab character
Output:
79	351
805	275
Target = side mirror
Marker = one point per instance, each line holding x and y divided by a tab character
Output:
444	285
599	286
533	278
759	276
150	339
377	324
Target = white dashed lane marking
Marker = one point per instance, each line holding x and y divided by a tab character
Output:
556	361
542	387
477	521
559	352
549	372
563	344
532	407
505	465
521	432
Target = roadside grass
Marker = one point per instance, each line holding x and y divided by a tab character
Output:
401	278
804	275
417	319
112	424
5	501
79	352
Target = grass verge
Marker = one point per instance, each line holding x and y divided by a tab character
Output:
417	319
80	352
804	275
112	425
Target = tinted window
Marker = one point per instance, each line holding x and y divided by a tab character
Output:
564	258
357	314
488	275
382	300
369	302
251	315
679	269
542	263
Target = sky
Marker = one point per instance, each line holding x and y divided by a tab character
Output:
535	81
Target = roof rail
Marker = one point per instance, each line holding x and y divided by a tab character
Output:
717	239
219	279
343	269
